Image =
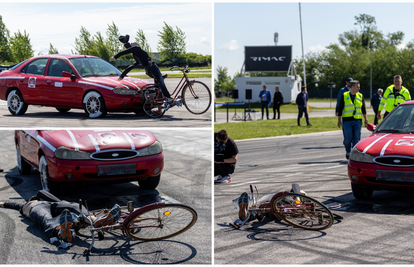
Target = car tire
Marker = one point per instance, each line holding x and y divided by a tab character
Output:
45	180
24	167
15	103
361	192
94	105
63	110
150	184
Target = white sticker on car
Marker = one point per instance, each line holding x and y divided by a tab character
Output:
108	135
32	82
404	142
58	84
138	135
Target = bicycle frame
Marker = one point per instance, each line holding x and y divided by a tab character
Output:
126	216
180	86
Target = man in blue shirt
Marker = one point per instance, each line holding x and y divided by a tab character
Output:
265	99
302	101
375	102
343	90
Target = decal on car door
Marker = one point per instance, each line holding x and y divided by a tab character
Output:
32	82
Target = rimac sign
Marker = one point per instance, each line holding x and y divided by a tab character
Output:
267	58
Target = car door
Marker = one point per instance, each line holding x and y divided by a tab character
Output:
61	91
32	85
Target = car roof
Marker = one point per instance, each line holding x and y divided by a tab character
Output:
65	56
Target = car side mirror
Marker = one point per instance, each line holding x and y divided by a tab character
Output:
68	75
371	127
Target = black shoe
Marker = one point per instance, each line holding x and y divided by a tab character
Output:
309	124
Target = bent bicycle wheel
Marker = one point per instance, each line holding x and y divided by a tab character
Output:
153	103
161	222
302	211
196	97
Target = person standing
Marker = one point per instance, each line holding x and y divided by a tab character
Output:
375	101
344	89
351	111
394	94
277	101
302	102
265	99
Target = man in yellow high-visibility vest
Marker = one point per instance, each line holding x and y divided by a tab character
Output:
351	110
394	95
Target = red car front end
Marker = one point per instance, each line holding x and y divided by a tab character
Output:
79	156
385	159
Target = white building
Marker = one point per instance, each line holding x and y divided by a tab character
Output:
289	86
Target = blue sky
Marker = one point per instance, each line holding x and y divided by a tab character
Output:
60	23
245	24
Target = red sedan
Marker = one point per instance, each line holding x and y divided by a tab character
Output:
70	82
76	156
385	160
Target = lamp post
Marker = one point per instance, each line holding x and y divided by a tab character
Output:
371	45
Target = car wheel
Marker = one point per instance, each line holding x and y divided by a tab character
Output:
15	103
22	165
63	110
361	192
47	183
94	105
150	184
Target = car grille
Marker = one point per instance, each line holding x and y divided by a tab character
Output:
395	161
115	154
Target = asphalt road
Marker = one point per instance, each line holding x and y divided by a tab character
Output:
378	231
186	179
49	117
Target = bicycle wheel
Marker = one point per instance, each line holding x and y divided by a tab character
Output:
303	211
153	102
196	97
161	222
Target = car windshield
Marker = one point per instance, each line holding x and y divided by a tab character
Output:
401	120
94	67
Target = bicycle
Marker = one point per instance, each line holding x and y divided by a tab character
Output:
195	96
156	221
293	207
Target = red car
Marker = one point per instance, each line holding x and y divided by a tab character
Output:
76	156
385	159
70	82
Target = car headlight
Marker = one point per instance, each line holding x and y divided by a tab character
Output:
124	91
358	156
153	149
70	154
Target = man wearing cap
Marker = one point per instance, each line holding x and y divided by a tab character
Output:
142	57
394	95
343	90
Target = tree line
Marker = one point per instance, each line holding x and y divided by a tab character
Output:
172	44
351	57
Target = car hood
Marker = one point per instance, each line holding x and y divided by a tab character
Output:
387	144
99	140
111	82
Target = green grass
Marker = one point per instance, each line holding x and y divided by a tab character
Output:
270	128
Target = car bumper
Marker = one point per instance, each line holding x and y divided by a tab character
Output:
123	102
74	171
365	174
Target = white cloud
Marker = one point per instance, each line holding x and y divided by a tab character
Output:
317	48
230	46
